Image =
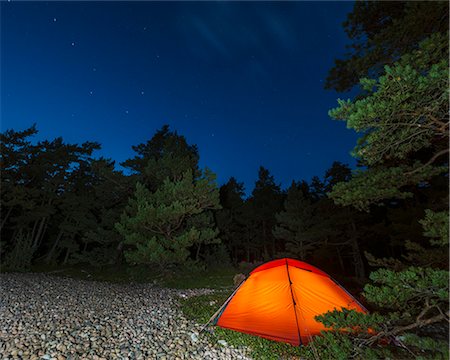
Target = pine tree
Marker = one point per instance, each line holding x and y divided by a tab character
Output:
403	118
228	218
40	180
295	222
161	227
166	154
380	32
265	202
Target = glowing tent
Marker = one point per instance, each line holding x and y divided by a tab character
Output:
279	301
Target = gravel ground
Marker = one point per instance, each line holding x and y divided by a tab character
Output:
49	317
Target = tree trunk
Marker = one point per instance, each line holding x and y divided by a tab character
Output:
34	229
357	258
67	256
50	254
39	232
341	262
42	235
14	234
119	252
198	251
6	217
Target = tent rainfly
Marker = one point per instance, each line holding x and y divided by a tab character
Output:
279	301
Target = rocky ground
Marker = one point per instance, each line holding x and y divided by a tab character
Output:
49	317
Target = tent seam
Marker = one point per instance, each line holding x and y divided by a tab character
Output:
295	304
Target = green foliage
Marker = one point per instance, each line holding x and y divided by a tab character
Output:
98	256
403	120
376	185
19	258
165	155
404	290
404	114
406	109
313	227
246	224
410	299
162	226
228	218
439	348
351	321
53	194
259	213
217	256
413	298
295	222
436	226
380	32
341	346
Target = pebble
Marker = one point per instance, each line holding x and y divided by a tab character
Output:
56	318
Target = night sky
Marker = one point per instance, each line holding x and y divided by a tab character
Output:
243	81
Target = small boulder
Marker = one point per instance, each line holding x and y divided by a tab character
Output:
238	279
222	342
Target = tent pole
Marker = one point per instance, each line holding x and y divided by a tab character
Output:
295	305
350	295
222	307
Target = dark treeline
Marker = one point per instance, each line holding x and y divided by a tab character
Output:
62	205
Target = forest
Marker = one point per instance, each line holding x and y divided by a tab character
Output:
382	226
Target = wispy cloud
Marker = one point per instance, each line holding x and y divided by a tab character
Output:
280	29
210	36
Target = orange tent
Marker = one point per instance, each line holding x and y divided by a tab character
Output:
280	299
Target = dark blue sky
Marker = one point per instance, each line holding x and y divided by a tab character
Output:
243	81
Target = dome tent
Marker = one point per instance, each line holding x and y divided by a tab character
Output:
279	301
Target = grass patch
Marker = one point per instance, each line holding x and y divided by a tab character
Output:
195	279
201	308
218	278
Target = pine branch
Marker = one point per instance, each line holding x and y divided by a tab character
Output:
433	159
417	324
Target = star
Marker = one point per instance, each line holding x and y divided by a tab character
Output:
212	135
142	93
94	69
126	111
54	19
73	44
91	92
